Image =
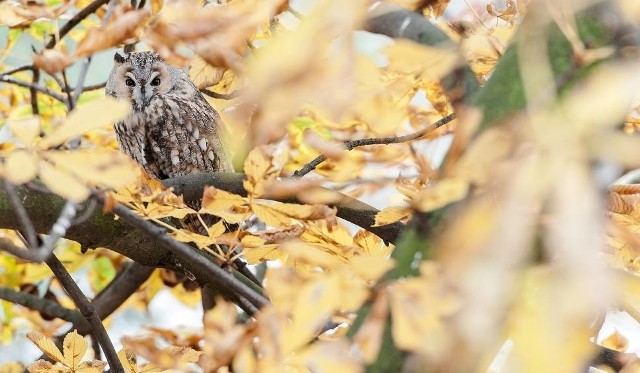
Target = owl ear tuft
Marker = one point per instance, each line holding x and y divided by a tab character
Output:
118	58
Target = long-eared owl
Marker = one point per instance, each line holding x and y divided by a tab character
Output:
171	129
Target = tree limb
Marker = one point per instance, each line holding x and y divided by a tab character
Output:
44	306
88	311
202	267
21	83
350	145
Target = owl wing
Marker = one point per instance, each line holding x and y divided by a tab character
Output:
183	137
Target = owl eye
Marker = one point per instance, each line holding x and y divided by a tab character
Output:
155	81
129	82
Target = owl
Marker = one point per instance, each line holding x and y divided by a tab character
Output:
171	129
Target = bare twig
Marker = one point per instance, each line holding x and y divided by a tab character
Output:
83	75
42	252
92	87
27	226
34	92
194	260
16	70
88	311
43	305
67	90
349	145
21	83
221	96
74	21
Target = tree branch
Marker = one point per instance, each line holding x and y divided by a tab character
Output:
58	230
221	96
74	21
21	83
88	311
44	306
202	267
29	232
350	145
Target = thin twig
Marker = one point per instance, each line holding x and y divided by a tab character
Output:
92	87
27	226
195	261
67	90
21	83
88	311
33	91
42	252
74	21
83	75
350	145
45	306
221	96
90	208
17	70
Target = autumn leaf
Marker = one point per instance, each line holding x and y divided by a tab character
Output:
95	114
52	61
124	24
20	167
392	214
278	214
74	348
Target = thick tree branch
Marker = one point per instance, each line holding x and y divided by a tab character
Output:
201	266
350	145
349	209
88	311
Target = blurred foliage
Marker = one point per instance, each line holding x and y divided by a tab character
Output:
510	239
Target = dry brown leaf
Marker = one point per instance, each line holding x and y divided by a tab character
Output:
52	61
124	25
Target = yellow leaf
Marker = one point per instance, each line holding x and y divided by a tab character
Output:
259	254
96	166
20	167
278	214
259	168
204	75
441	194
96	114
411	58
372	244
216	200
74	347
315	302
370	268
43	366
62	183
47	346
392	214
616	341
95	366
369	336
25	130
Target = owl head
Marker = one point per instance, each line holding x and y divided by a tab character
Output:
141	77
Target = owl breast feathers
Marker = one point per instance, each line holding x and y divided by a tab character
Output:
171	129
